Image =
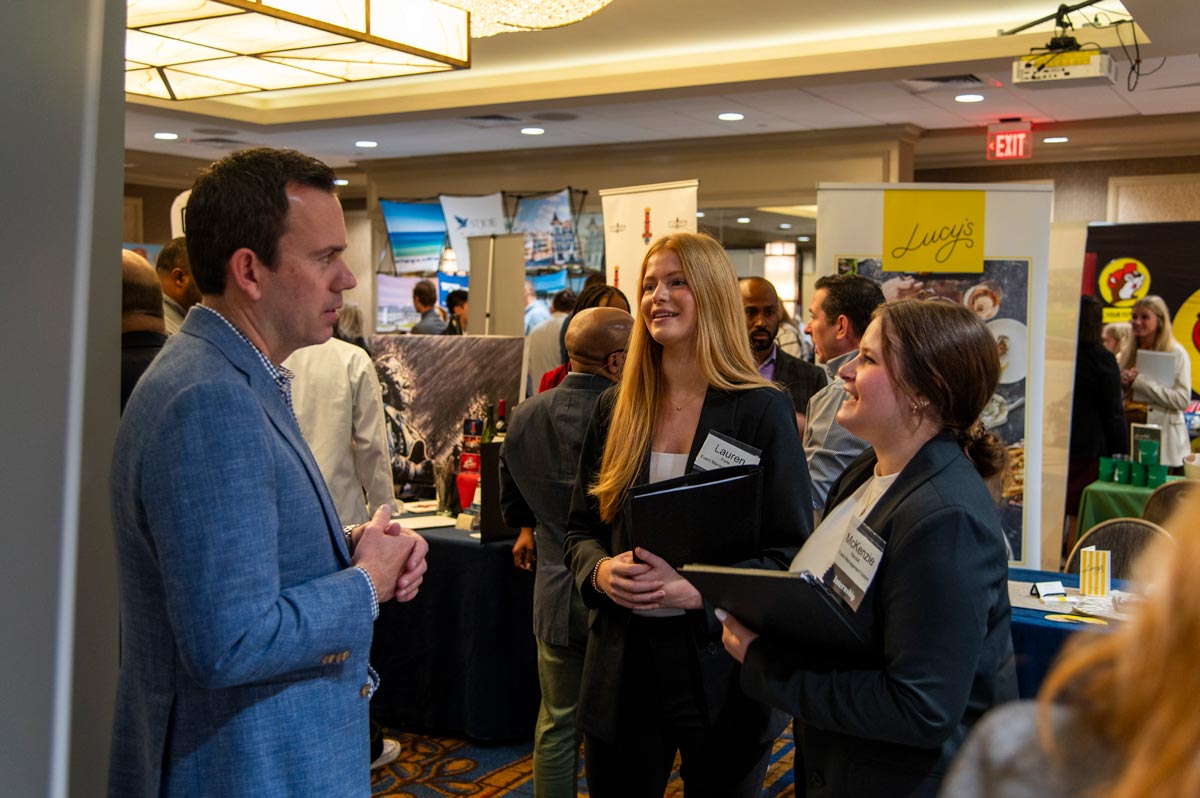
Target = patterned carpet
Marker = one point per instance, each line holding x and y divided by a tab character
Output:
451	767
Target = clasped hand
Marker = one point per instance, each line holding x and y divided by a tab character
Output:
393	556
645	585
1128	376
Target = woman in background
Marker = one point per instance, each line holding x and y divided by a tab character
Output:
596	295
1113	717
1151	328
655	678
1097	411
885	721
1116	337
349	326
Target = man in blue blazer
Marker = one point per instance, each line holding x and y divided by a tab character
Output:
246	608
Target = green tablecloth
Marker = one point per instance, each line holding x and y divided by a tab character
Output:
1104	500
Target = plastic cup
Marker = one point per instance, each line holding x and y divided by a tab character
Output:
1156	475
1106	469
1121	471
1147	452
1137	475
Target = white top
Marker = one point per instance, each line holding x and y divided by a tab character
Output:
664	466
818	552
340	410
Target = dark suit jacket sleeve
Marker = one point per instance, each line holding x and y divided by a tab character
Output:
588	537
935	599
1111	405
513	507
787	518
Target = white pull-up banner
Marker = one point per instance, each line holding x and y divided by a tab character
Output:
472	216
637	215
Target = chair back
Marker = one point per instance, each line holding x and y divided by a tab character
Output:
1165	498
1125	538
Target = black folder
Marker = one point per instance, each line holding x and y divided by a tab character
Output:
795	606
706	516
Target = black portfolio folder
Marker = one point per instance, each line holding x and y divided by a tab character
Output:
795	606
707	516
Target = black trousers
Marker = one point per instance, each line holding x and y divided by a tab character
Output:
660	712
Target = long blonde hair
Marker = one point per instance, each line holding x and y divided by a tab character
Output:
1131	685
722	356
1164	341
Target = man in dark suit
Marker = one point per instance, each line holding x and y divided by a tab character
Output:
142	331
537	469
801	380
247	609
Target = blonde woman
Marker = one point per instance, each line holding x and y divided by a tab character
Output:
1113	717
1115	337
656	680
1151	329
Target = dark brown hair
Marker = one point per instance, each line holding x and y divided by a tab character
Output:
241	201
943	358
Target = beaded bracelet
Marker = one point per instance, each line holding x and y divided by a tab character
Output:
595	573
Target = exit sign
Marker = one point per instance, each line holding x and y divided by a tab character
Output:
1009	141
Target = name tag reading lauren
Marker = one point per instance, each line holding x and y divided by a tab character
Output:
855	565
722	451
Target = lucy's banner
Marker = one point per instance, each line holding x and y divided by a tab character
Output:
549	229
635	216
472	216
416	235
933	231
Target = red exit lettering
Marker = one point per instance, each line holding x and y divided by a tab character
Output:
1008	145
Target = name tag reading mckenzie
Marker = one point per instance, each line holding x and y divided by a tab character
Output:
722	451
855	565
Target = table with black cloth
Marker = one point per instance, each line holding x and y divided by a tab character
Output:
461	656
1037	641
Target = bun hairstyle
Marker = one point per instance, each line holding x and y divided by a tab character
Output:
946	361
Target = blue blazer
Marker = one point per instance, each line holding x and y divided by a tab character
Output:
244	633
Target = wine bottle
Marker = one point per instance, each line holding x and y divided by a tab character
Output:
489	426
501	420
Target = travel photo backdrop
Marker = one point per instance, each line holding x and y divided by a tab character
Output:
1000	297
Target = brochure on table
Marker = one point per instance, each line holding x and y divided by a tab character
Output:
986	246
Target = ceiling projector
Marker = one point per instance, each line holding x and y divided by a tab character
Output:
1063	69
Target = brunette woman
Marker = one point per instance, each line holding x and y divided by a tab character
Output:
886	721
656	680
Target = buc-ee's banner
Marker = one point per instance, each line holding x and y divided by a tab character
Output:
933	231
636	215
472	216
1126	262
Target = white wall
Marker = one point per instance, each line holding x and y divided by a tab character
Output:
60	221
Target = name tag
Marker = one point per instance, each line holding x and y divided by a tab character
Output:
722	451
855	565
1047	589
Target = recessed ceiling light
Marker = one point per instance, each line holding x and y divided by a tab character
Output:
366	145
743	220
699	214
164	136
533	131
969	98
1055	140
731	117
785	226
341	181
804	239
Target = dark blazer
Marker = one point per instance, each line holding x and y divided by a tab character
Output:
1098	406
761	417
800	379
138	350
538	466
888	723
